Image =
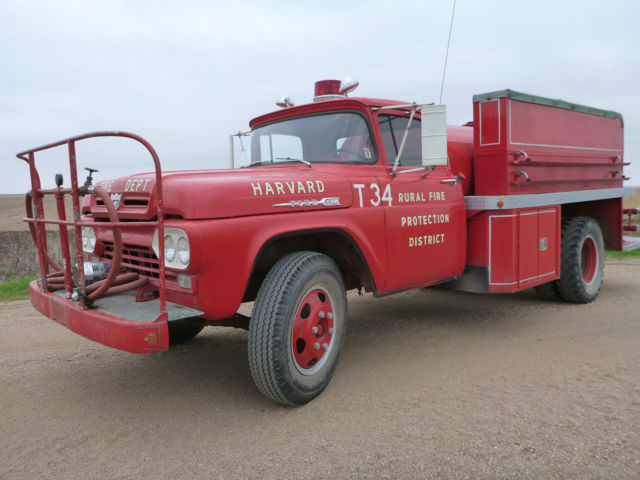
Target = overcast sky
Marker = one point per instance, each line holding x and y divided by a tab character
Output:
185	75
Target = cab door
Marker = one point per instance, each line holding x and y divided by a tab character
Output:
425	214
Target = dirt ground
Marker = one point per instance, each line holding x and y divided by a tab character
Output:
431	384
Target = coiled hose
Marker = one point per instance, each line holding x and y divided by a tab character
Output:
115	282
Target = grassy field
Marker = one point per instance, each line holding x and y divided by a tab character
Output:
633	253
15	289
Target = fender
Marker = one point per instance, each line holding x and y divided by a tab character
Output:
241	240
307	233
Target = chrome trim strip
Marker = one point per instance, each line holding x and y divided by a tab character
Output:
490	202
325	202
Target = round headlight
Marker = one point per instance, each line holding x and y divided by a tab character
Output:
183	250
169	248
88	239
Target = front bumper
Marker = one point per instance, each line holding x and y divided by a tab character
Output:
117	321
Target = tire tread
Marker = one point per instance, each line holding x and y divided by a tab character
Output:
571	286
271	302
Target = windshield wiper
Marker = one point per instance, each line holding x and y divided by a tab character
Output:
255	164
271	162
307	163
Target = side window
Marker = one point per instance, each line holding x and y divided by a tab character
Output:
392	129
276	147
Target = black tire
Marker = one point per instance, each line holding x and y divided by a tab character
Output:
181	331
582	260
287	365
548	291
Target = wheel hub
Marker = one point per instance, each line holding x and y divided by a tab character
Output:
588	260
313	330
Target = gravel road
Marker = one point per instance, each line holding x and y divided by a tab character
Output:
431	384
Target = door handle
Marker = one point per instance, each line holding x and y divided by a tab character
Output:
452	181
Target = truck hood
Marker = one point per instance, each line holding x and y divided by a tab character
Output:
208	194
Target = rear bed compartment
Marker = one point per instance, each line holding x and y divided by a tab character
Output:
529	144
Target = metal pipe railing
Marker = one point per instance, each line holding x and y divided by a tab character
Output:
38	222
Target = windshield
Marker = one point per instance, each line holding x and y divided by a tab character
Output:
327	138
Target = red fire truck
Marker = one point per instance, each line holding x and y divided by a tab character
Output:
339	194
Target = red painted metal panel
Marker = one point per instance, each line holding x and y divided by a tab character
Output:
489	125
543	126
460	151
545	149
549	248
524	247
539	246
224	277
130	336
503	244
527	245
425	223
478	240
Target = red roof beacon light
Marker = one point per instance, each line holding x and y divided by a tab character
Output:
332	89
325	89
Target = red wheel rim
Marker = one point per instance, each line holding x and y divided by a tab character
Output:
313	330
588	260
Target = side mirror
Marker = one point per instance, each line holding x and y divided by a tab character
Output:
434	135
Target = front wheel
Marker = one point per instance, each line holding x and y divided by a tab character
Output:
297	328
582	260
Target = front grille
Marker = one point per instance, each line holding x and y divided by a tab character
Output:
128	202
137	258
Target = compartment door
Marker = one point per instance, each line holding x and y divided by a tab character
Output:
527	246
549	244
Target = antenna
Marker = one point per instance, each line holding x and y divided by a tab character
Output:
446	56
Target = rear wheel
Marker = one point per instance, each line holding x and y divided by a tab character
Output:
297	328
582	260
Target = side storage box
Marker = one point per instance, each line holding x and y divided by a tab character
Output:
528	144
512	250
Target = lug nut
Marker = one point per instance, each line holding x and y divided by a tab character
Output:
331	331
329	315
325	346
316	346
315	330
321	314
